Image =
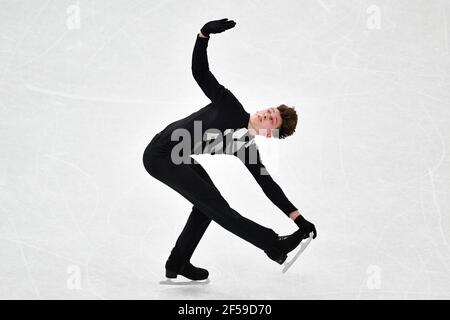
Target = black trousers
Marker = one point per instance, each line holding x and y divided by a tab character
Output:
193	183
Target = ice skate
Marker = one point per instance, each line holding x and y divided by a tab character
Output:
303	245
285	244
188	271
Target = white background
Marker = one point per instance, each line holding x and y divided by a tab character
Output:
79	101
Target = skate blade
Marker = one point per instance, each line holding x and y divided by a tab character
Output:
184	283
303	245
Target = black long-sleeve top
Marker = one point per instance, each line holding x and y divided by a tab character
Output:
227	116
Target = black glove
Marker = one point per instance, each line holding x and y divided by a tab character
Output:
217	26
306	226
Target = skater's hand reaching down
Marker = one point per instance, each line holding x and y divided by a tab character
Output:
306	226
217	26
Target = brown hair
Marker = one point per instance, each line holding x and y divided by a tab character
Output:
289	121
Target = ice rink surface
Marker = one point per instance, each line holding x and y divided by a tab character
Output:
85	85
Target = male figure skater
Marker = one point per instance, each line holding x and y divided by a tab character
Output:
222	116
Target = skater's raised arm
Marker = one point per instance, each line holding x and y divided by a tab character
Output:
200	70
200	66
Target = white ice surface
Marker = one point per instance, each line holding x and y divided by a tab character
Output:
81	218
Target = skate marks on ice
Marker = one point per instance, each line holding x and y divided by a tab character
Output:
303	245
184	283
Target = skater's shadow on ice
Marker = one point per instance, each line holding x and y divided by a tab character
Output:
184	283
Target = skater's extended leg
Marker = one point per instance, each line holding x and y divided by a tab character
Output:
186	181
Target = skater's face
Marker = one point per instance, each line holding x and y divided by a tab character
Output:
267	119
